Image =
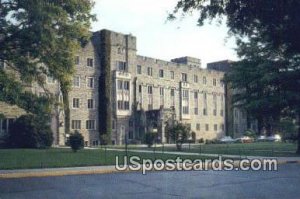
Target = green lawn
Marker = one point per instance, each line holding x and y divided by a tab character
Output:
243	149
50	158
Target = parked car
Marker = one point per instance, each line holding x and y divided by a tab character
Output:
245	139
227	139
274	138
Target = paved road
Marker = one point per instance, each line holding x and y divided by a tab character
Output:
284	183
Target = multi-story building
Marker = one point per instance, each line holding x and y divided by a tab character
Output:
116	90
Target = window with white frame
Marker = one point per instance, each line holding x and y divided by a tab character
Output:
76	102
76	124
185	101
76	81
90	103
90	124
123	94
90	82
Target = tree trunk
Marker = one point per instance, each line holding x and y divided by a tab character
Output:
65	95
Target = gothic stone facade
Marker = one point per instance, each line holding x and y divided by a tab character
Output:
112	79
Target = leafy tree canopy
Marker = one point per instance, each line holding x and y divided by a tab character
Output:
40	37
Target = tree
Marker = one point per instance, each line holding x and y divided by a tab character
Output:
39	38
273	25
179	133
29	132
76	141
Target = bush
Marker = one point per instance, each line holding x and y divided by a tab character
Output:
29	132
149	138
250	133
201	140
76	141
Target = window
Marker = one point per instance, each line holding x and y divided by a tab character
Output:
90	82
222	127
185	102
75	102
172	97
172	92
121	66
76	81
126	85
172	74
198	127
204	111
196	103
207	127
215	127
214	82
196	78
196	95
90	62
222	112
196	110
140	89
139	69
50	80
161	93
76	124
161	73
204	80
77	60
90	103
90	124
149	89
120	84
184	77
149	71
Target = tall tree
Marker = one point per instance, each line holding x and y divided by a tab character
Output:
272	24
40	37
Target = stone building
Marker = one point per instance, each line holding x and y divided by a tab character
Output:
116	90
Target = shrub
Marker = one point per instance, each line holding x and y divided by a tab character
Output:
29	132
76	141
250	133
201	140
149	138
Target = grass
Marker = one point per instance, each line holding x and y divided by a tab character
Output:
271	149
54	157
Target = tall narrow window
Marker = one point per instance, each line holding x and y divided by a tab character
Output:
90	124
184	77
161	73
204	80
90	103
149	71
139	69
77	60
150	98
76	81
172	74
196	78
161	94
75	102
185	102
172	93
196	103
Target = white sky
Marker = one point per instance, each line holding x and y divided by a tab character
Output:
160	39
